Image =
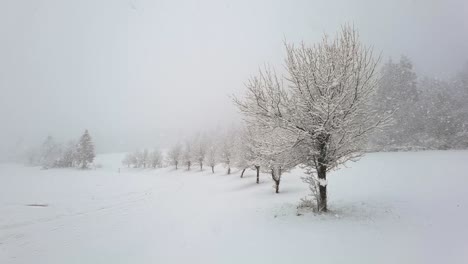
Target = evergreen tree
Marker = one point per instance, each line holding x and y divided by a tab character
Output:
397	92
85	150
443	115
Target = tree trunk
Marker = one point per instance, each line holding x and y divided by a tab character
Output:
188	165
229	170
276	180
212	169
176	165
322	175
242	174
201	166
322	202
258	174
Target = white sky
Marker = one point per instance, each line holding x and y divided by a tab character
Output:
141	73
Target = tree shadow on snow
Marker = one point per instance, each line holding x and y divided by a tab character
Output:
357	211
245	186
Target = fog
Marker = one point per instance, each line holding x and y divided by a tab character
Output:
143	73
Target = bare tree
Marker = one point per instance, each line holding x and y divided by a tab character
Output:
324	110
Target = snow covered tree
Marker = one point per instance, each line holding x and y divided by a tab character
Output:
460	84
145	158
212	156
85	150
187	154
442	116
226	151
139	158
200	148
397	92
69	156
274	152
252	151
156	158
245	155
175	155
324	112
50	153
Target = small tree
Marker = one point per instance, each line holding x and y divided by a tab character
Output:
274	152
245	155
212	156
200	148
226	150
187	154
85	150
175	155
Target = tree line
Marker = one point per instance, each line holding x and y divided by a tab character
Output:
52	154
428	112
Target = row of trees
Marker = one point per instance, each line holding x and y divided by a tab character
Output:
232	149
52	154
204	150
144	159
429	113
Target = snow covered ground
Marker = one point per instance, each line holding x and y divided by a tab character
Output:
386	208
